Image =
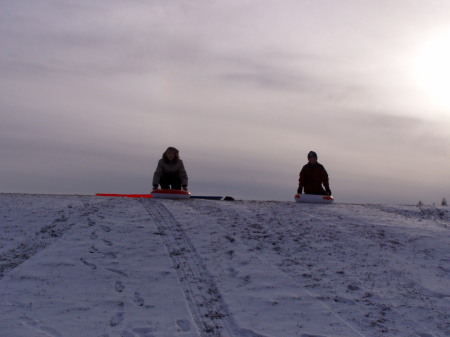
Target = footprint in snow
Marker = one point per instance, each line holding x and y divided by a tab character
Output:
90	265
110	254
93	249
117	271
138	300
147	332
117	319
105	228
184	325
108	243
119	286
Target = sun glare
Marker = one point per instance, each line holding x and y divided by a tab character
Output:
432	68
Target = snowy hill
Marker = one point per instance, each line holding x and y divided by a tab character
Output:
74	266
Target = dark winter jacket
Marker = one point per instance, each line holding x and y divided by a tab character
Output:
170	168
312	176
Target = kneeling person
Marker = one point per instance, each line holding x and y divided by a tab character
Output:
170	172
312	176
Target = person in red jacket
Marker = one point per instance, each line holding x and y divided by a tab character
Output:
312	176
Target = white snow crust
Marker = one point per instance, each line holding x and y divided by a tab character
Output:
74	266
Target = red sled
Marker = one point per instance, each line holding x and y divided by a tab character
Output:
313	198
124	195
170	194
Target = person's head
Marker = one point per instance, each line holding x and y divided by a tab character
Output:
312	157
171	154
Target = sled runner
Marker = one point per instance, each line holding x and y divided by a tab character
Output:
124	195
170	194
312	198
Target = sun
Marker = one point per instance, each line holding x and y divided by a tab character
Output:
432	68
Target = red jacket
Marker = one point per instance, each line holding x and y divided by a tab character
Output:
312	176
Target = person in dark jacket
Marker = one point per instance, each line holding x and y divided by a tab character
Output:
312	176
170	172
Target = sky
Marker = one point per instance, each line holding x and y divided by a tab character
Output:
93	92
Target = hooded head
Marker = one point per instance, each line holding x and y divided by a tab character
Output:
174	157
312	154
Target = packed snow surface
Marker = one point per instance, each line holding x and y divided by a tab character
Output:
90	266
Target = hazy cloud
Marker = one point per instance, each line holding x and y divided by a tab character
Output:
91	94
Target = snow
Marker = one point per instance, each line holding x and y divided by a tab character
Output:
75	266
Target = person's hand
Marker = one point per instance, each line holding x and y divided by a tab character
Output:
299	190
328	191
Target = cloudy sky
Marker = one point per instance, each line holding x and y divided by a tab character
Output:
92	92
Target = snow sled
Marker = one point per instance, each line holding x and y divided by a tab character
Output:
212	197
170	194
313	198
123	195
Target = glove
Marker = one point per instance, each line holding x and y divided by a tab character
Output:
155	187
299	190
184	187
328	191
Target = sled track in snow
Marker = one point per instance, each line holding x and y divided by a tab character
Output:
27	248
209	310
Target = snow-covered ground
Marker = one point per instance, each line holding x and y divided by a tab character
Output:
103	267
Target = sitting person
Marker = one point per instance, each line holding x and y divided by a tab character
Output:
312	176
170	172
